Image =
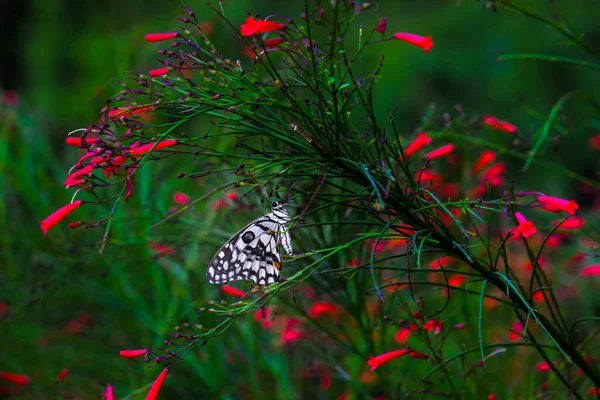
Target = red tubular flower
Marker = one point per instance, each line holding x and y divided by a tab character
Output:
543	366
439	152
233	291
433	325
79	142
321	308
274	42
254	27
492	397
459	326
381	26
423	42
63	374
421	140
59	215
571	223
595	142
132	353
158	72
402	335
291	336
155	389
568	206
487	157
494	175
538	297
141	150
378	361
456	280
262	316
525	227
428	176
416	354
19	379
127	111
516	331
590	270
181	198
109	394
496	124
72	179
159	37
442	261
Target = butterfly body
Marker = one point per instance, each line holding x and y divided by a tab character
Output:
252	253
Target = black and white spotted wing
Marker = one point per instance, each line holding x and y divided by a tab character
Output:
252	253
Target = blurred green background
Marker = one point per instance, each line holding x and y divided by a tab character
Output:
62	59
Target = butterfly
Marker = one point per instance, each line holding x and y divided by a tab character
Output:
252	253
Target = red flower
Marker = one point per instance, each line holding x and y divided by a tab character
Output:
274	42
290	334
493	174
456	280
590	270
525	227
141	150
72	179
59	215
496	124
420	141
22	380
158	72
402	335
538	296
554	203
155	389
492	397
321	308
381	26
416	354
595	142
459	326
159	37
181	198
516	331
126	111
428	176
254	27
233	291
378	361
109	394
79	142
63	374
132	353
232	196
439	152
543	367
487	157
262	315
433	325
570	223
442	261
423	42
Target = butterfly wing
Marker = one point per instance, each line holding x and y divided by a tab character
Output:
251	254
